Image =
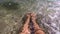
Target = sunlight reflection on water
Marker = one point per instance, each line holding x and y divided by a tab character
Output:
55	16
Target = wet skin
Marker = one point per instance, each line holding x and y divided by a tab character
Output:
27	30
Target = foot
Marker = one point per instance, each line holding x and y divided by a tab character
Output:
33	16
25	27
28	15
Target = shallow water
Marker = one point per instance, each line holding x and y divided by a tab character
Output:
48	12
52	19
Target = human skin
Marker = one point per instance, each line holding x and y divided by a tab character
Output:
37	29
25	28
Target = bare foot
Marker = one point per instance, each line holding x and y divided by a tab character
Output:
36	26
28	15
25	28
33	16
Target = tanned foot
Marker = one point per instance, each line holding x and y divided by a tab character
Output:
25	27
33	16
38	30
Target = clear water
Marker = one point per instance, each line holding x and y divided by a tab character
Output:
49	9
